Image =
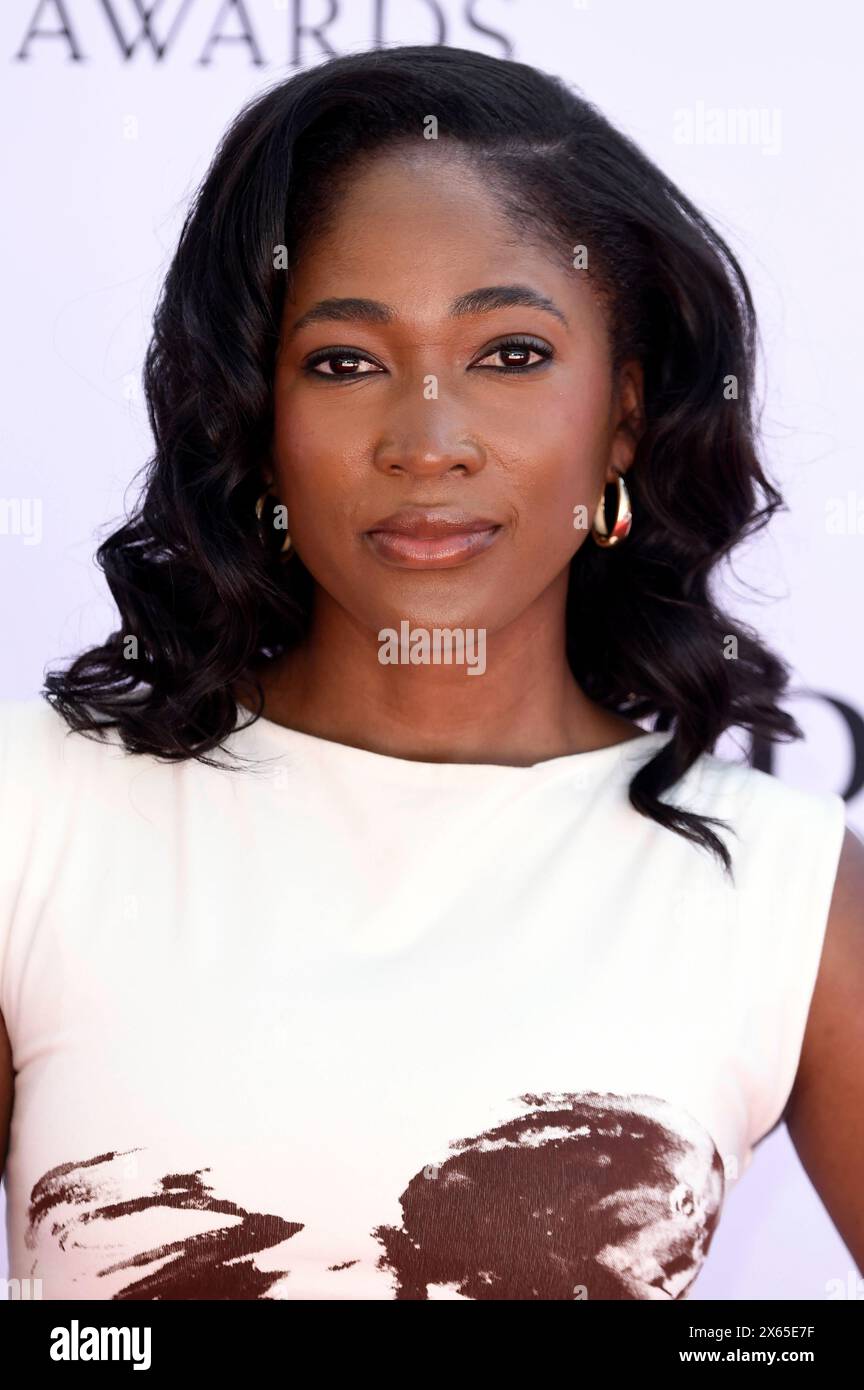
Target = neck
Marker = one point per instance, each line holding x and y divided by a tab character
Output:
511	698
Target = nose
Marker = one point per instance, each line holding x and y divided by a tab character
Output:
429	444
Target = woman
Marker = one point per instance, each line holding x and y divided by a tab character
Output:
441	977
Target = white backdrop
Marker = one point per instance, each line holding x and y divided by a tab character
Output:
105	140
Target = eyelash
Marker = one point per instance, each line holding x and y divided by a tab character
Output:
519	343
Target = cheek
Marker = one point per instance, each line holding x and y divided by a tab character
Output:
560	477
316	461
565	432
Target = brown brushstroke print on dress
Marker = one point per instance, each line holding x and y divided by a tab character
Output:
584	1196
210	1264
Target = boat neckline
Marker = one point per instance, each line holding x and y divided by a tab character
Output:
296	740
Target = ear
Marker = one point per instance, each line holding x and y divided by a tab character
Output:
629	420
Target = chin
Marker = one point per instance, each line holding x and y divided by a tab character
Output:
432	611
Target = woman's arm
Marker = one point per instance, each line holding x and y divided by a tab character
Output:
825	1112
5	1093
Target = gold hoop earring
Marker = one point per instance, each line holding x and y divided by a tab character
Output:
623	516
259	508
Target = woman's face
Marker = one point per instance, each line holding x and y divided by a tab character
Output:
414	409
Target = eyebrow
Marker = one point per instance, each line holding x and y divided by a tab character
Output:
480	301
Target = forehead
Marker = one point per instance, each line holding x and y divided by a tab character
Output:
417	228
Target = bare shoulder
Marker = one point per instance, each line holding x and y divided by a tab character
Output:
825	1112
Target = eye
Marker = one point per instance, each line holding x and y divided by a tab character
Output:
344	363
521	348
342	360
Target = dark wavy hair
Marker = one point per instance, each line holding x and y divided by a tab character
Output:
208	602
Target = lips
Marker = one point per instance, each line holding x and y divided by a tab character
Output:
431	538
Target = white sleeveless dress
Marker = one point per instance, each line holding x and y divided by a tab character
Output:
341	1025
